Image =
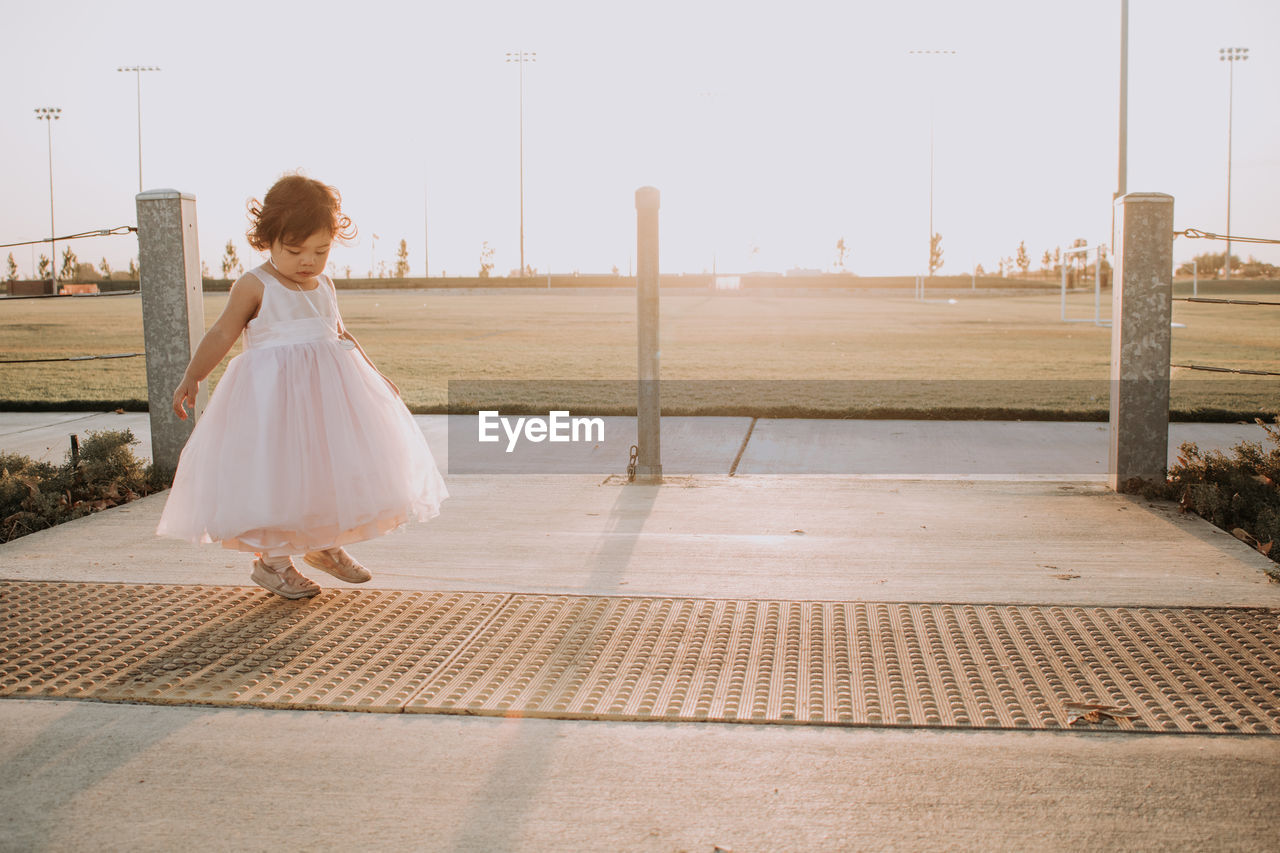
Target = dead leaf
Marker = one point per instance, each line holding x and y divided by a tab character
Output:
1243	536
798	532
1065	576
1092	712
119	411
1265	550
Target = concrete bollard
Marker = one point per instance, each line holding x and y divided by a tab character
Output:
172	314
648	404
1142	309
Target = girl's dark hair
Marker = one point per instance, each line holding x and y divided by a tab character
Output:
294	209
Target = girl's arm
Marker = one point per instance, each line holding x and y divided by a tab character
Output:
246	298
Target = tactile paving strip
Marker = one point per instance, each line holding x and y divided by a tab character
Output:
229	645
634	658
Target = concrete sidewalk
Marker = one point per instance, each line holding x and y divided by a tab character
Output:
1001	450
80	775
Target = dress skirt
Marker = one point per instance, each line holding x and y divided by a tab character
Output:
302	446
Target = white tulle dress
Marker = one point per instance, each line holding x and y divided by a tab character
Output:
302	446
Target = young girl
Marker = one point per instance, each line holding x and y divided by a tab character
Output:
305	447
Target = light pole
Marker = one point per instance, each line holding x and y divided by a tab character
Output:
137	71
1230	55
929	265
520	58
50	115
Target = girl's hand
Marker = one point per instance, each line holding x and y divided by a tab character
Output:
185	393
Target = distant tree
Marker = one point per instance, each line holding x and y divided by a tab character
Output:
134	272
486	259
1022	259
204	269
84	272
1210	263
42	268
841	251
105	269
230	262
615	268
1046	263
402	260
347	270
68	271
1057	257
935	253
382	269
12	274
978	270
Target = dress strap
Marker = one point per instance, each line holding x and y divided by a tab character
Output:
260	274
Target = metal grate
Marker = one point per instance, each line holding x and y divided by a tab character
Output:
633	658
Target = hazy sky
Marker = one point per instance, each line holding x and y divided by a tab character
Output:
771	129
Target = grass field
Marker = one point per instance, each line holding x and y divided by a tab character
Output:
839	353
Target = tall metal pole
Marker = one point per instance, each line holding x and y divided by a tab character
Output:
1122	177
648	355
929	263
49	115
137	72
520	57
1230	55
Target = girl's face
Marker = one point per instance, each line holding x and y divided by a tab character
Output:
302	262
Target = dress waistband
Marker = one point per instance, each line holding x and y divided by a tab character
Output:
300	331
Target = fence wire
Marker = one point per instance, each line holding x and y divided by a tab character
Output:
1198	234
1223	301
100	232
70	295
71	358
1238	370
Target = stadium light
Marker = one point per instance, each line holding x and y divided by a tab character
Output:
1230	55
520	57
50	115
137	71
929	256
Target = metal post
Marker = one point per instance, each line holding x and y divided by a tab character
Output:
1231	95
53	231
648	405
1123	177
1142	308
521	57
1230	55
1097	287
172	313
137	73
49	115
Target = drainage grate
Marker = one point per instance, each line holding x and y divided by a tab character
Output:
674	659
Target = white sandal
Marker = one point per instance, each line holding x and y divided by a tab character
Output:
288	583
337	562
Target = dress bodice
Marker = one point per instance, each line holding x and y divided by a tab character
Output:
292	316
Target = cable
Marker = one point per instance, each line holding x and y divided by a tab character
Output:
1222	301
102	232
1197	234
71	358
1226	370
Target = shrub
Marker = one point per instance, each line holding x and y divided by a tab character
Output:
1236	492
36	495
